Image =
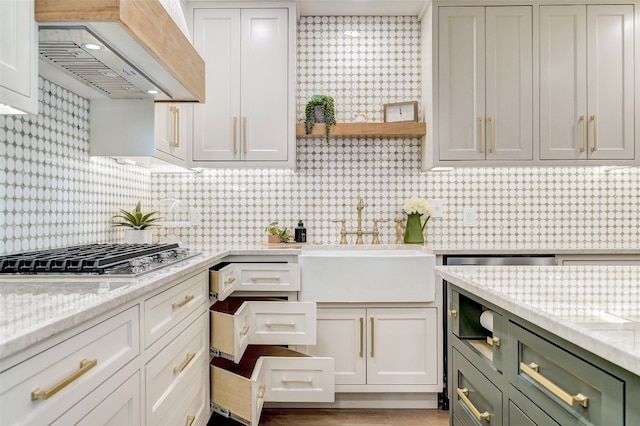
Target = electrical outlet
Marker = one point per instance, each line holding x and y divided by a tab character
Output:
437	208
469	217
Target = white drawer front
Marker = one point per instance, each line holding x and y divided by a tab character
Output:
120	408
305	379
224	281
283	323
104	348
190	405
172	365
163	311
268	277
258	391
242	329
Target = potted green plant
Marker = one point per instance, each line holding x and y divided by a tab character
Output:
277	234
320	109
137	223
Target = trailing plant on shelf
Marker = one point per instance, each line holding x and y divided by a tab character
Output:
327	107
135	219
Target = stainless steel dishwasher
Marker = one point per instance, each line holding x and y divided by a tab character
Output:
481	260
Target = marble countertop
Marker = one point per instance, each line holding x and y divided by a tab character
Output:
596	307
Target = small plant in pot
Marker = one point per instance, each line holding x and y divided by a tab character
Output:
277	234
320	109
137	223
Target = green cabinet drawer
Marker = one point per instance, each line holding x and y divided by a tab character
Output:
523	412
475	400
564	385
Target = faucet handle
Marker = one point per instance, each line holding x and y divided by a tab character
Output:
375	230
343	230
399	230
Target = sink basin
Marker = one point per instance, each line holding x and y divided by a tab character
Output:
366	275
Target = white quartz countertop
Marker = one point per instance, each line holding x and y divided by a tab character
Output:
596	307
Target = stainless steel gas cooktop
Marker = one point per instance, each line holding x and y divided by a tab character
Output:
95	259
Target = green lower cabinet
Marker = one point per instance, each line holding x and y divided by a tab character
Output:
568	388
522	412
475	400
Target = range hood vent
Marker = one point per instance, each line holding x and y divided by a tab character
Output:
138	51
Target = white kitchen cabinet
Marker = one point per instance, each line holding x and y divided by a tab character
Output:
587	82
379	346
45	386
248	119
485	84
18	57
173	125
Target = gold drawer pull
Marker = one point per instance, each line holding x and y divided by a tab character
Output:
180	368
229	281
583	146
594	119
260	278
244	331
85	365
492	127
482	131
261	390
532	371
283	324
452	313
493	341
186	300
464	396
361	337
306	381
190	420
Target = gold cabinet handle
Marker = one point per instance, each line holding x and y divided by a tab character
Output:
594	120
180	368
452	313
281	324
492	130
261	390
175	116
285	381
583	147
361	337
532	370
265	278
190	420
373	345
464	396
481	119
245	330
235	136
85	365
244	135
493	341
229	281
184	301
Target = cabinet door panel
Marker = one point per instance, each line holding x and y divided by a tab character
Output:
217	121
563	82
461	82
610	81
390	330
509	85
341	335
264	87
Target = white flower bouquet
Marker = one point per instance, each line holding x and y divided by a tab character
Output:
417	205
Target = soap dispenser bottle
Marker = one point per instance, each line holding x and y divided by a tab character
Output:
300	233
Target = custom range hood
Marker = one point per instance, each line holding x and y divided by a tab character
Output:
124	49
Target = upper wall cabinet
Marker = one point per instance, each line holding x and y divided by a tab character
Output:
587	82
485	92
18	57
248	118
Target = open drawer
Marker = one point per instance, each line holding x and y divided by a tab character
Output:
238	322
268	374
225	278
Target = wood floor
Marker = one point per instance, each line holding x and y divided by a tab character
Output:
344	417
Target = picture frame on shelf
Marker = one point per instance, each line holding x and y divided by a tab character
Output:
401	112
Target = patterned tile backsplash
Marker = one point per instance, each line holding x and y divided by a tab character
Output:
53	194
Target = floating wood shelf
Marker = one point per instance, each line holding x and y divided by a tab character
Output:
367	130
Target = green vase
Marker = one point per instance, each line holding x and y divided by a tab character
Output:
414	231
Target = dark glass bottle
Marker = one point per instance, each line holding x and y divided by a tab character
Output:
300	233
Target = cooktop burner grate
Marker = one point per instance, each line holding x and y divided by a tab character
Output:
130	259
